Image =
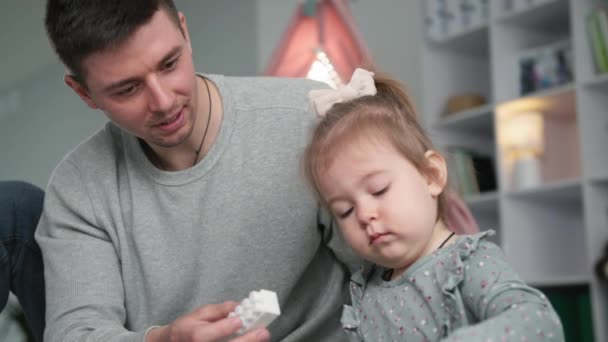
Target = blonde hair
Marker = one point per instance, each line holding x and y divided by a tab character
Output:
389	116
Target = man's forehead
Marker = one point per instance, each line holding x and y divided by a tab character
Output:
143	51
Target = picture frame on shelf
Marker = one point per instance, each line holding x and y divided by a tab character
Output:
545	67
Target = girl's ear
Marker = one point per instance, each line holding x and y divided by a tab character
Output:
436	172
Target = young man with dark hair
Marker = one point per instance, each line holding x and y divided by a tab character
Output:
190	195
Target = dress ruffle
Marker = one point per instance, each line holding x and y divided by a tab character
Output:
454	276
351	314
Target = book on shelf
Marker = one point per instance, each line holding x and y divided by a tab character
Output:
471	172
597	31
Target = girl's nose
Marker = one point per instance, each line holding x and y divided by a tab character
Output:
370	228
367	214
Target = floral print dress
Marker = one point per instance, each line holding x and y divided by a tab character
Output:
465	291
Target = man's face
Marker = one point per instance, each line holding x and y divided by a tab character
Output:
146	85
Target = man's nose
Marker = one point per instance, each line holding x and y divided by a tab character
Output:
160	97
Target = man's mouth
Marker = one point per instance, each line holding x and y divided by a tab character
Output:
171	120
168	122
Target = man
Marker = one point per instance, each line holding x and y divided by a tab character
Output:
190	196
21	269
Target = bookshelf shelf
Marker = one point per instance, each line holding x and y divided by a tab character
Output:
478	117
549	15
597	81
560	281
599	181
473	41
555	92
568	192
553	100
483	201
554	230
563	90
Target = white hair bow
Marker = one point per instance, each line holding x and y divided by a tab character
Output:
361	84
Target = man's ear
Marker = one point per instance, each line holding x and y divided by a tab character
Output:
436	172
182	23
80	90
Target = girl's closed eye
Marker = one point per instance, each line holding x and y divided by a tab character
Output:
381	191
342	209
346	213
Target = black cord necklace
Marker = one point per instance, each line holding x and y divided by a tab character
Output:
446	240
200	146
386	276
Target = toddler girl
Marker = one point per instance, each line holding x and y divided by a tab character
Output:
372	165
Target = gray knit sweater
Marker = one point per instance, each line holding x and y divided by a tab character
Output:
127	246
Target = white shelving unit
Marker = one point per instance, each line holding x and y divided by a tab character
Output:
552	233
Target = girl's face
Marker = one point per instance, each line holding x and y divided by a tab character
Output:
386	209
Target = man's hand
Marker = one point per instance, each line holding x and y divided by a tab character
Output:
207	324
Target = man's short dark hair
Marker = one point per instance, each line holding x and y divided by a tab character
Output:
79	28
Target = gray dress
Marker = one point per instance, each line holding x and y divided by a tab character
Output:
465	291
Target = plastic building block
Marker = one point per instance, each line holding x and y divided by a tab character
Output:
257	310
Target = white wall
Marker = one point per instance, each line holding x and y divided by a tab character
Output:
223	35
22	40
392	30
50	121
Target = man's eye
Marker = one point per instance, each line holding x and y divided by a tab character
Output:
127	91
170	65
346	213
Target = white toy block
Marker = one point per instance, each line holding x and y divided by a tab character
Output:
258	310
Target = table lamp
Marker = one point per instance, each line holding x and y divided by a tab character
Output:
524	147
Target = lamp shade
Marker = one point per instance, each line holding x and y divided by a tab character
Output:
523	134
324	41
